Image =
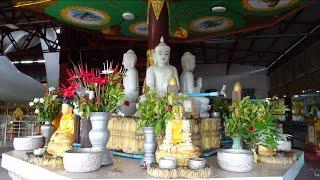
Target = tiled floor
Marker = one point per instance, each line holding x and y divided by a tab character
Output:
305	173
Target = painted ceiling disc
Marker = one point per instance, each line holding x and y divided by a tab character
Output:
85	16
267	5
211	24
139	28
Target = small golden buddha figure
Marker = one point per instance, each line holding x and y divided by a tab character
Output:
63	138
177	142
237	92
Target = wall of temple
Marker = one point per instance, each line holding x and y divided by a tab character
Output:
250	77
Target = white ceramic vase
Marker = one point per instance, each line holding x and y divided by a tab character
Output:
99	134
46	131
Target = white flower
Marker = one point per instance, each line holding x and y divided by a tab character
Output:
54	97
36	111
91	94
75	105
41	100
36	100
80	113
76	111
51	89
31	104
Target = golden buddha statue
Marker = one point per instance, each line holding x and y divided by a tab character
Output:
63	138
177	142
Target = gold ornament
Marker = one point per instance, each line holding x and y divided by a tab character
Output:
18	114
181	33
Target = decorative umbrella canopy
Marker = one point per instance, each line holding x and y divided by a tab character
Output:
188	19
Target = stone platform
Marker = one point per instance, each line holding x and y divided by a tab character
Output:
126	168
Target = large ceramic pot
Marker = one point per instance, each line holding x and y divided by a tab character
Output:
149	145
46	131
283	145
236	143
99	134
235	160
82	160
85	128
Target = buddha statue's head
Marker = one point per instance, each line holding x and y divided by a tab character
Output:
188	61
162	53
67	107
129	59
179	115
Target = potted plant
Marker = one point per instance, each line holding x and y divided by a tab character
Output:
241	113
150	114
97	95
261	131
47	108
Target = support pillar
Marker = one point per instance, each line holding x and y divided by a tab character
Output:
157	27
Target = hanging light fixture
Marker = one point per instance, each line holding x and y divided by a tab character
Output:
219	9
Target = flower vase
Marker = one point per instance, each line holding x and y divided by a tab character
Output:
99	134
85	128
46	131
236	143
149	146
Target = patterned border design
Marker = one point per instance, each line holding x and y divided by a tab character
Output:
229	21
248	7
64	13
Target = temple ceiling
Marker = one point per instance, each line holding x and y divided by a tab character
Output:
188	19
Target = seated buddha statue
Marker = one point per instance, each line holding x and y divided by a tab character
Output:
159	74
189	85
177	142
63	138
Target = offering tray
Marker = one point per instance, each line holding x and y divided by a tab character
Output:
181	172
280	158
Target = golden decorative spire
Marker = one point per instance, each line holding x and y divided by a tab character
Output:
157	6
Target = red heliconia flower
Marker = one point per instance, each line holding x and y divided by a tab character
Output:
126	103
69	92
251	128
169	108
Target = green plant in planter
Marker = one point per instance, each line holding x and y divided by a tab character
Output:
262	127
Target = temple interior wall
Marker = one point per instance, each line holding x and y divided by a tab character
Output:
250	77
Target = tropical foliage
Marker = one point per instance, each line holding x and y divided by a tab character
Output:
254	122
155	111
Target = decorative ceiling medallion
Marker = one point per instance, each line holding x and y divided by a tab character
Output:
139	28
211	24
267	5
86	16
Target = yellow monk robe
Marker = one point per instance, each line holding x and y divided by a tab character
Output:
177	135
63	138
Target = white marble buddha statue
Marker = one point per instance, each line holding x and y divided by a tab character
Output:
159	74
189	85
130	83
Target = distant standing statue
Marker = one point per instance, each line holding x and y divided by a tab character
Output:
130	83
188	84
159	74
